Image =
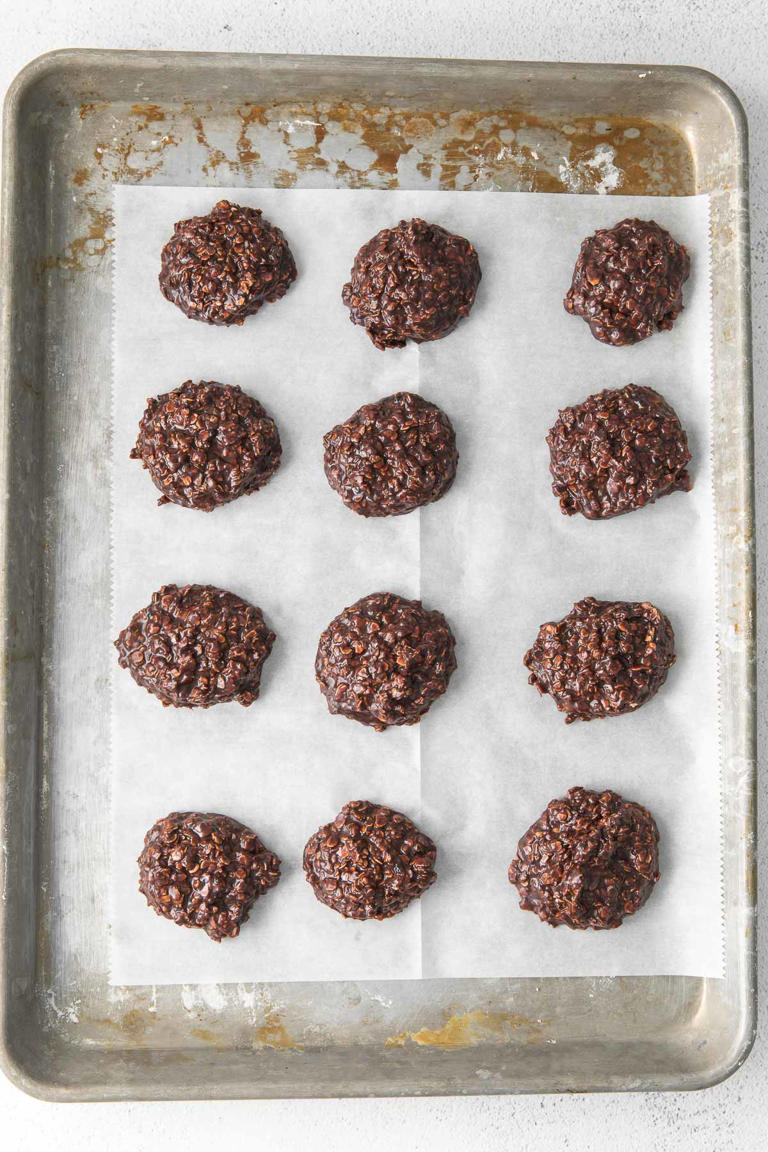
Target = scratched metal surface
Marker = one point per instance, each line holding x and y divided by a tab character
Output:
76	123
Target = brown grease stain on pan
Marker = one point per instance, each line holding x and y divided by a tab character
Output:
126	160
506	148
147	112
132	1025
209	1037
88	250
247	155
273	1034
467	1030
90	107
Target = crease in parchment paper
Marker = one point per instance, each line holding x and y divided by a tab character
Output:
496	555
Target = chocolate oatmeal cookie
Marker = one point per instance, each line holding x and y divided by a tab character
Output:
385	661
205	444
392	456
628	282
412	282
370	863
618	450
590	859
196	646
205	870
604	658
222	267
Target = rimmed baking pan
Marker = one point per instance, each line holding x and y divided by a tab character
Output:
76	122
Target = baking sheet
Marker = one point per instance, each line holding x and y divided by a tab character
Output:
496	555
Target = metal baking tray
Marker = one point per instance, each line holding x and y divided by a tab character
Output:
75	123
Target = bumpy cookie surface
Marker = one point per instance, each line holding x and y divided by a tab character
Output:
617	451
391	457
628	282
205	444
205	870
604	658
223	267
196	646
385	660
370	862
415	281
590	859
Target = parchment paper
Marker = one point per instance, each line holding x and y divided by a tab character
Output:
496	555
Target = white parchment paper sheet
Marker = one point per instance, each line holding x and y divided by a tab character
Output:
495	555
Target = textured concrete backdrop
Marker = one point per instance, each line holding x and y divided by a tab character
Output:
726	36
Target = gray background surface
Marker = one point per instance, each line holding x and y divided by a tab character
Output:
731	39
